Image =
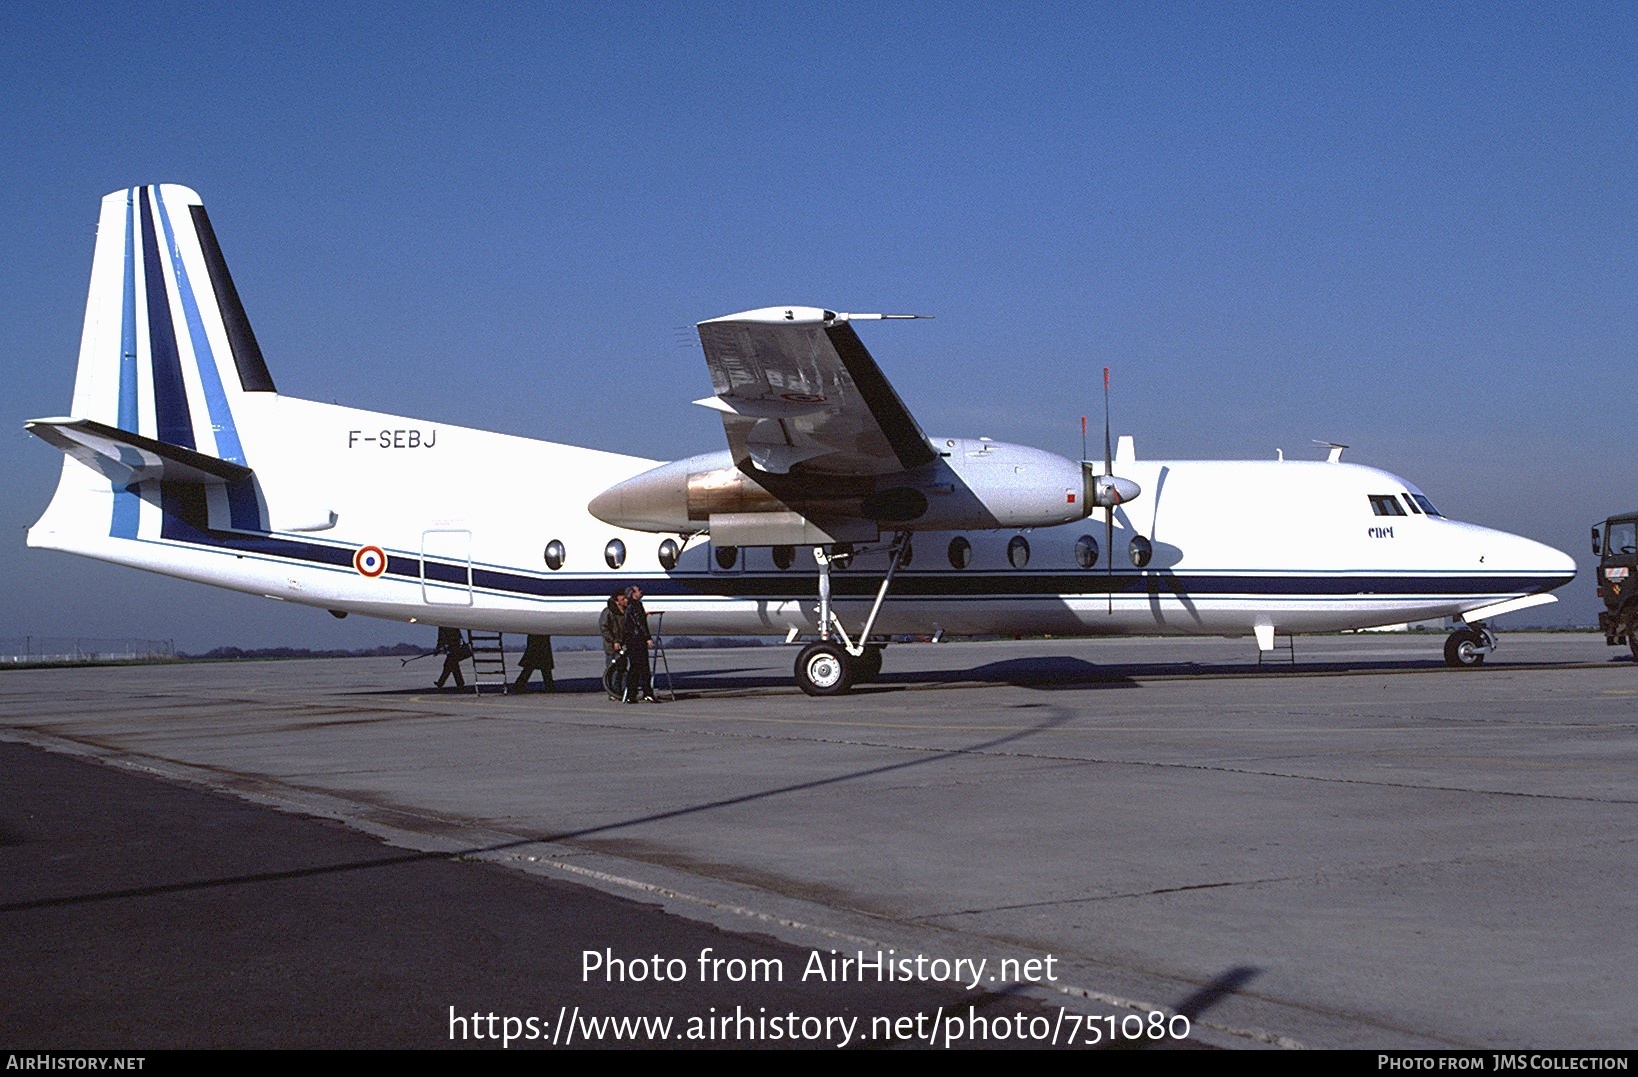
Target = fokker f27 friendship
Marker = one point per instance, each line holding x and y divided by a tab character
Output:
183	459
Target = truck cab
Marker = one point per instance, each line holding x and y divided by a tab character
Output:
1615	543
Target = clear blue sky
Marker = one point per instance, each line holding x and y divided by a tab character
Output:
1408	227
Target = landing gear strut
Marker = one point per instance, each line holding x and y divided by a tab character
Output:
836	663
1467	646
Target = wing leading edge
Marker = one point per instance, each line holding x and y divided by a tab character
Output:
800	393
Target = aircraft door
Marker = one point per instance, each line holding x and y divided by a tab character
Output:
446	568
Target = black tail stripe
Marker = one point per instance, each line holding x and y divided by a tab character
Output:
247	354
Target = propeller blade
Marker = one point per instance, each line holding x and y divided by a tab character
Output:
1108	454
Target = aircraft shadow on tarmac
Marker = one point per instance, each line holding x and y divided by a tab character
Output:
1046	673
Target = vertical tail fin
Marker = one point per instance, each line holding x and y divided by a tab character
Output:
167	349
167	361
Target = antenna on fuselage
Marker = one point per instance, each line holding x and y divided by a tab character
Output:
1109	509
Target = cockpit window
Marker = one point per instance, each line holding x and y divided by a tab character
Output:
1386	505
1427	506
1410	503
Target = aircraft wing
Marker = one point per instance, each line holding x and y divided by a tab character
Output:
799	394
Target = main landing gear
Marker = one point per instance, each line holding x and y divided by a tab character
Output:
836	663
1468	645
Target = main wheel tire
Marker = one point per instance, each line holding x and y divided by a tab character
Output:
1462	649
868	666
824	669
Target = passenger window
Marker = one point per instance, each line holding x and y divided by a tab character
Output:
961	552
784	556
554	555
727	556
615	553
1018	551
1086	551
1141	549
670	552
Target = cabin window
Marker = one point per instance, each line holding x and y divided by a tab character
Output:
554	555
1386	505
1086	551
727	556
615	553
670	553
1426	505
1410	503
1141	550
1018	551
784	556
961	552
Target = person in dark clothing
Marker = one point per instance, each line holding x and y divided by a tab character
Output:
611	625
455	651
640	681
537	654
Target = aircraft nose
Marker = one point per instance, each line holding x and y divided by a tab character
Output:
1550	567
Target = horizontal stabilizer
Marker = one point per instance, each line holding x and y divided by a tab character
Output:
127	459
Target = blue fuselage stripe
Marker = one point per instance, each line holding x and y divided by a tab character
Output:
944	585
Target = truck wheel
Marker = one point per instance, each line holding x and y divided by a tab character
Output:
1462	649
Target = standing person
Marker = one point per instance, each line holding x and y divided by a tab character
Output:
455	651
537	654
611	625
640	681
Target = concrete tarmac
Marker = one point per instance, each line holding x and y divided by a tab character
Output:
1365	849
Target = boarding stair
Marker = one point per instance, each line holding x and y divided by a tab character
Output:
488	661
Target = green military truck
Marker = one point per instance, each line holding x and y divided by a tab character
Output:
1615	542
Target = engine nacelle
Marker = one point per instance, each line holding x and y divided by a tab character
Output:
973	485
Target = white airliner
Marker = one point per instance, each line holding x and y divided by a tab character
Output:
829	510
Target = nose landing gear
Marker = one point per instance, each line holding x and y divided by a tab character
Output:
1467	646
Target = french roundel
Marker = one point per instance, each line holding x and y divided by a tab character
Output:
370	561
